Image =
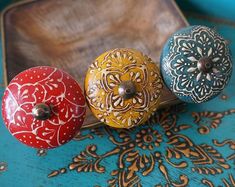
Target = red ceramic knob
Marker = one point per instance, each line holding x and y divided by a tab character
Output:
43	107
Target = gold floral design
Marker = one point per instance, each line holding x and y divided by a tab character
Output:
148	138
227	182
231	144
209	120
124	178
155	149
57	172
89	160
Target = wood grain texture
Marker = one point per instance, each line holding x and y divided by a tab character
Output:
70	34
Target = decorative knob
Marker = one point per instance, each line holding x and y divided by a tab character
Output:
123	88
127	89
205	65
43	107
196	64
41	111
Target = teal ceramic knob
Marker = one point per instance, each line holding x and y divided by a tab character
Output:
196	64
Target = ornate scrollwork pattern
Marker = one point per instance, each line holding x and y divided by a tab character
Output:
161	148
104	78
181	64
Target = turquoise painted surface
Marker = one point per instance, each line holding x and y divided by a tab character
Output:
170	73
1	72
25	168
215	8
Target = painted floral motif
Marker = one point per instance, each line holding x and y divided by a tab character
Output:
181	61
148	138
46	85
209	120
161	149
104	78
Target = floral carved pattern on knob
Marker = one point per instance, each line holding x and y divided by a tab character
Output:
123	88
196	64
43	107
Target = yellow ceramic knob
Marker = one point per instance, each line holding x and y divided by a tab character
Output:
123	88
